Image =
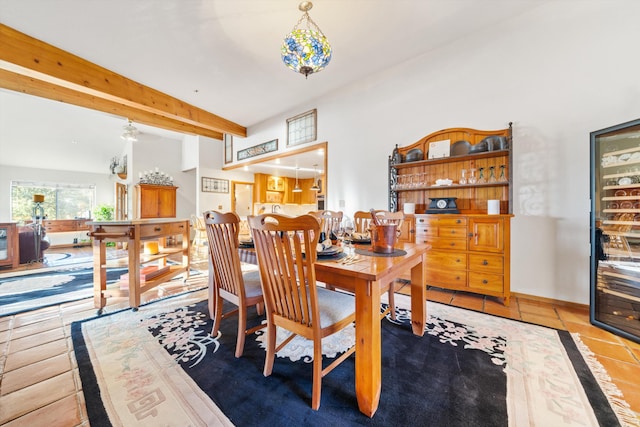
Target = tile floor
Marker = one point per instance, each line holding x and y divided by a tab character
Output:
40	386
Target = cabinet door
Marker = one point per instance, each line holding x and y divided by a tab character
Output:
148	202
407	231
486	234
167	203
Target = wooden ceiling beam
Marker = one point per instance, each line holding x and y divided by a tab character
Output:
31	86
60	75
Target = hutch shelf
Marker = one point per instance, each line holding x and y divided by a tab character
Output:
470	249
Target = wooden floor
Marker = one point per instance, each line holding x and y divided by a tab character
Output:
40	386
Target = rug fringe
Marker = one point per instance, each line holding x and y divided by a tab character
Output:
620	406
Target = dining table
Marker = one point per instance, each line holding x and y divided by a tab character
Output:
369	276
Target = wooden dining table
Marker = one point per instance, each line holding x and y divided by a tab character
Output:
368	278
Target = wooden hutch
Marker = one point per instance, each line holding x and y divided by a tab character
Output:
470	249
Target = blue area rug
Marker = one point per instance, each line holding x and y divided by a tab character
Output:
66	284
33	291
161	366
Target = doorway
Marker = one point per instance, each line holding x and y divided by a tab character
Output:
242	198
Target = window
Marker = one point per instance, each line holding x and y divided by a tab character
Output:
61	201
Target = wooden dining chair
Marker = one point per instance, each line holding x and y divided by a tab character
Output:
286	249
362	221
229	282
200	233
330	220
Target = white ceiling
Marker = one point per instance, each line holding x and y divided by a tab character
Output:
219	55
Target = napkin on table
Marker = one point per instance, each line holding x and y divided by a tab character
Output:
323	245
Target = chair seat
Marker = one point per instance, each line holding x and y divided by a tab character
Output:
334	306
252	283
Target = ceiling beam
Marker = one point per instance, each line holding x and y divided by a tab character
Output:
37	68
30	86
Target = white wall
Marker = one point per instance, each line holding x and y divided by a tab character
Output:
210	161
558	72
152	151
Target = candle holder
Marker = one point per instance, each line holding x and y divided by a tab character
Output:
155	178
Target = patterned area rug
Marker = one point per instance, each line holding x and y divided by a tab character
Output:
160	366
25	292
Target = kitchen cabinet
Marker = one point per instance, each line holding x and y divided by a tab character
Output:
155	201
468	252
615	229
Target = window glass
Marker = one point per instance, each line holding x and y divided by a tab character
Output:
61	201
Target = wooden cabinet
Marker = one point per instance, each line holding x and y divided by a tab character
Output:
408	229
9	250
155	201
484	156
64	225
468	252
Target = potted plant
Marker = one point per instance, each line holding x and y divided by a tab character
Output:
103	212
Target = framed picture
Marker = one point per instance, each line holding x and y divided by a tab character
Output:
228	148
256	150
215	185
302	128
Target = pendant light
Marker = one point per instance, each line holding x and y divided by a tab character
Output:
130	132
306	50
297	188
315	186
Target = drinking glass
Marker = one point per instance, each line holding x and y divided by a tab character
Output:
481	179
492	176
348	229
502	177
472	176
463	177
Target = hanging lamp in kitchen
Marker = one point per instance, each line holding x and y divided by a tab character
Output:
297	188
306	50
315	186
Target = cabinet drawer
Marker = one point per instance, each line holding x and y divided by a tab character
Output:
450	232
440	260
491	282
426	230
446	277
446	243
158	230
486	263
449	220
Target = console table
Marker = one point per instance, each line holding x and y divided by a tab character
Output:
135	233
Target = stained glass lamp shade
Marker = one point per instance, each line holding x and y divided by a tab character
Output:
306	51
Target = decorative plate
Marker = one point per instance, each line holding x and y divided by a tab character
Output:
460	148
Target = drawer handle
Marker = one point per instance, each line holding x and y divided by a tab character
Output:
457	277
157	229
458	221
485	262
181	226
485	281
470	234
453	244
458	260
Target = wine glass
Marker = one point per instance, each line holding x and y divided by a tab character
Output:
348	229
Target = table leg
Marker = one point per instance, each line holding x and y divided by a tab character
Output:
418	297
134	273
368	346
99	274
